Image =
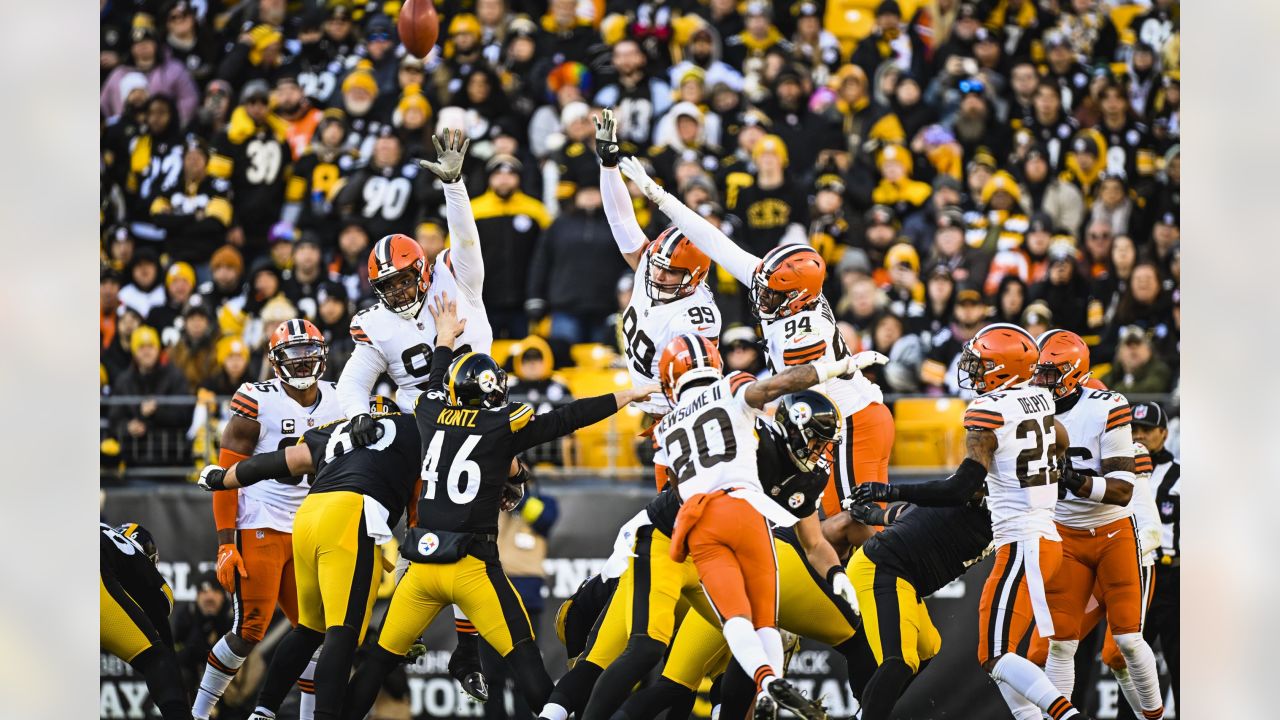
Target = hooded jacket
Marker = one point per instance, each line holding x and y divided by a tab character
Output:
167	77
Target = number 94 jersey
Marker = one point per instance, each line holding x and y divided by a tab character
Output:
1021	492
281	421
812	335
647	327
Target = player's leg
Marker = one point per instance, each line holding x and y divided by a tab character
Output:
418	598
127	633
483	591
889	609
1067	594
1164	622
605	641
1120	581
1012	599
464	663
289	605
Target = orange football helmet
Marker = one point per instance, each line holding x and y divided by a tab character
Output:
296	352
399	275
1063	366
674	252
787	281
999	356
686	358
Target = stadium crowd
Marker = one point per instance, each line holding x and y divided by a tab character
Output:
955	162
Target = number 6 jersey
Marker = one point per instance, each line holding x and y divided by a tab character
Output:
281	421
1021	492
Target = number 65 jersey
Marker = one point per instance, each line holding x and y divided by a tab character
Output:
281	421
647	327
1021	493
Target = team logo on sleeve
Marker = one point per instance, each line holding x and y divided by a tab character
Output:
428	543
800	414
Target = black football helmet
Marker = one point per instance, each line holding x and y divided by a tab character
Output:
141	538
810	423
476	380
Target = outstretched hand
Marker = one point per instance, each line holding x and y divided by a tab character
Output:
448	167
448	325
635	172
606	137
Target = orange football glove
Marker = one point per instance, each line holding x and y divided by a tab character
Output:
230	562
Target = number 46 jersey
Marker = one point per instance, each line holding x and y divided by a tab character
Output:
1021	493
281	421
647	327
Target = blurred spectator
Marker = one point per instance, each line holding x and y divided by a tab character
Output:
1049	127
214	112
795	123
532	363
853	119
897	189
150	432
904	291
108	306
305	276
768	206
198	626
1130	151
280	245
195	352
155	156
1165	236
891	39
254	158
389	194
1063	69
1097	247
163	73
964	263
1003	221
179	287
226	279
255	56
704	52
939	302
1064	290
511	224
232	356
574	272
565	36
685	133
299	115
1112	204
860	305
1037	318
722	15
938	370
574	164
889	336
742	351
194	213
757	37
333	319
350	264
811	44
637	98
1043	192
430	236
145	289
1010	300
365	121
1136	369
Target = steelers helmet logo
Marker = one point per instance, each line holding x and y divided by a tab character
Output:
428	543
800	413
795	501
488	381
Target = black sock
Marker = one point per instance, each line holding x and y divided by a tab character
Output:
650	702
615	683
333	670
364	686
574	687
291	658
466	656
884	689
860	661
159	666
737	692
530	673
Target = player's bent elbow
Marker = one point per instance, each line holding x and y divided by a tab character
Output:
1119	493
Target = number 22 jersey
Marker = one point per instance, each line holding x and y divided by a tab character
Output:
1021	492
281	421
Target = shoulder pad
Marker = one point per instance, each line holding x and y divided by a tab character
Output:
739	380
520	415
357	332
245	402
1119	416
982	418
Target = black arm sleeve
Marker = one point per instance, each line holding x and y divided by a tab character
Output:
440	360
954	490
262	467
564	420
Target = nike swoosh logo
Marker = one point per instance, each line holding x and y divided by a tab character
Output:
703	329
1112	534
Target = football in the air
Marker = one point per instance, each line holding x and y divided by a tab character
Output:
419	26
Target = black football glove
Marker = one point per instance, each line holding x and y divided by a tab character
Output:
1070	479
873	493
363	430
607	138
866	513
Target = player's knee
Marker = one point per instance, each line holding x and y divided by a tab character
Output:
525	661
643	650
989	662
1112	658
1129	643
1063	650
911	662
242	643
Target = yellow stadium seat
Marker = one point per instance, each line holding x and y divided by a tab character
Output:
592	355
500	351
928	432
610	442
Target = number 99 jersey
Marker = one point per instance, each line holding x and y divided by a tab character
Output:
1021	492
647	327
281	421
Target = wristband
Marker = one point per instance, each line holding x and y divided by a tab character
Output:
1098	489
827	369
831	574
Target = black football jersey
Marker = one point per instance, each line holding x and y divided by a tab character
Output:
931	546
121	559
467	452
386	471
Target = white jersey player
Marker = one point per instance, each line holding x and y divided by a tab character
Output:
1100	542
799	328
397	335
255	524
671	296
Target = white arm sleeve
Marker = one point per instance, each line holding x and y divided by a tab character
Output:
620	212
707	238
464	241
357	379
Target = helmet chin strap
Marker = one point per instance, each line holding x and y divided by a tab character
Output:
301	383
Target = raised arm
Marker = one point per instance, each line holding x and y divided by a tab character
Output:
705	236
288	462
359	374
762	392
533	430
464	238
618	209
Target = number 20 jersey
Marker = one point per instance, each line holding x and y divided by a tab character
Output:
407	344
1021	492
709	440
647	327
281	421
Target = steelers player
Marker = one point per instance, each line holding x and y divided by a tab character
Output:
255	547
671	271
134	602
357	496
470	438
396	336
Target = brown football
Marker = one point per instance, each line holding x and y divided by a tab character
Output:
419	26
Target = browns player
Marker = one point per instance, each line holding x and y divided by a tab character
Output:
255	525
1010	434
396	336
799	328
1099	531
671	270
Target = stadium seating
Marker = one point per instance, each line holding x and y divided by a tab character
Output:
929	434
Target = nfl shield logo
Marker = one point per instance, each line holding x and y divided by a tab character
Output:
1140	412
1166	507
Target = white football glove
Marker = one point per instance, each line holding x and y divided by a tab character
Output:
449	165
843	588
634	171
211	478
1148	540
866	359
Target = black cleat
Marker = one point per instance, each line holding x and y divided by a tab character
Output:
464	667
474	685
766	708
788	697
